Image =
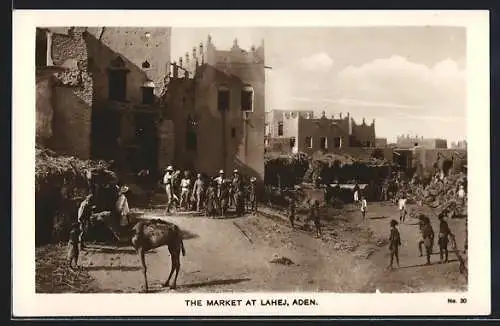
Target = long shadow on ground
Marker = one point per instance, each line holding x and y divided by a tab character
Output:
216	282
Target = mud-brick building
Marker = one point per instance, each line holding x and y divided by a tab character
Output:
407	141
308	134
99	93
216	100
274	120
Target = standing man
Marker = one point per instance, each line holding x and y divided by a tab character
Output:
291	210
363	207
198	192
314	215
219	181
237	192
421	225
84	213
428	234
167	181
443	238
252	196
356	193
385	188
402	208
461	194
394	243
185	185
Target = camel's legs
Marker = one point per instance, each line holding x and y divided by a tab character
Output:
177	261
141	253
171	269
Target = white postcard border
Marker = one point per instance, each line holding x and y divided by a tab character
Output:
26	303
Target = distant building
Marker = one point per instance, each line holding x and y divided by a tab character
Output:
406	141
274	120
459	145
308	134
380	142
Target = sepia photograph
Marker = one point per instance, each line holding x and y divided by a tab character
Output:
252	159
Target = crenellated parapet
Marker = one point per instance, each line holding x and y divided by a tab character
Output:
187	65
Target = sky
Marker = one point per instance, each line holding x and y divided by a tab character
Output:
411	80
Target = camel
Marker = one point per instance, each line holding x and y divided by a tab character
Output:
147	235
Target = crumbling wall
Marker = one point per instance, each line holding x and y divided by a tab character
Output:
72	95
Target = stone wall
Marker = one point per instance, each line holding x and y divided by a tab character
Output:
135	46
166	148
44	109
71	94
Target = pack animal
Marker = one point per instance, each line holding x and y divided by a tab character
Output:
148	235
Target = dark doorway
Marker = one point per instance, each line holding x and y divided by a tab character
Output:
146	141
106	128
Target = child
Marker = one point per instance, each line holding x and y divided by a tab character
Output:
394	243
444	233
291	211
363	206
73	251
402	208
428	235
420	234
314	214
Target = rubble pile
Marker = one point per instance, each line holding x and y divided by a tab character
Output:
281	260
441	195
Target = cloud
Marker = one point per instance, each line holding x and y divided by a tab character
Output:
396	80
316	62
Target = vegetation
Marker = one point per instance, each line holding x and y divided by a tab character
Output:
60	185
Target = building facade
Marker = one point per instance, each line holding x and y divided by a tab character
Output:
99	94
275	120
407	141
381	142
216	100
308	134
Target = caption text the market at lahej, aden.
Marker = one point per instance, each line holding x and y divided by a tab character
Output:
250	302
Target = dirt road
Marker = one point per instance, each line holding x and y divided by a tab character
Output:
234	255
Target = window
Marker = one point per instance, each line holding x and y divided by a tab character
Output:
337	142
323	143
117	85
280	128
247	98
191	137
223	99
308	142
292	142
233	132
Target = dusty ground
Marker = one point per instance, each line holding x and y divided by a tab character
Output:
234	255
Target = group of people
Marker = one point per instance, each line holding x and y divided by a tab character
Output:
212	195
107	198
426	239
